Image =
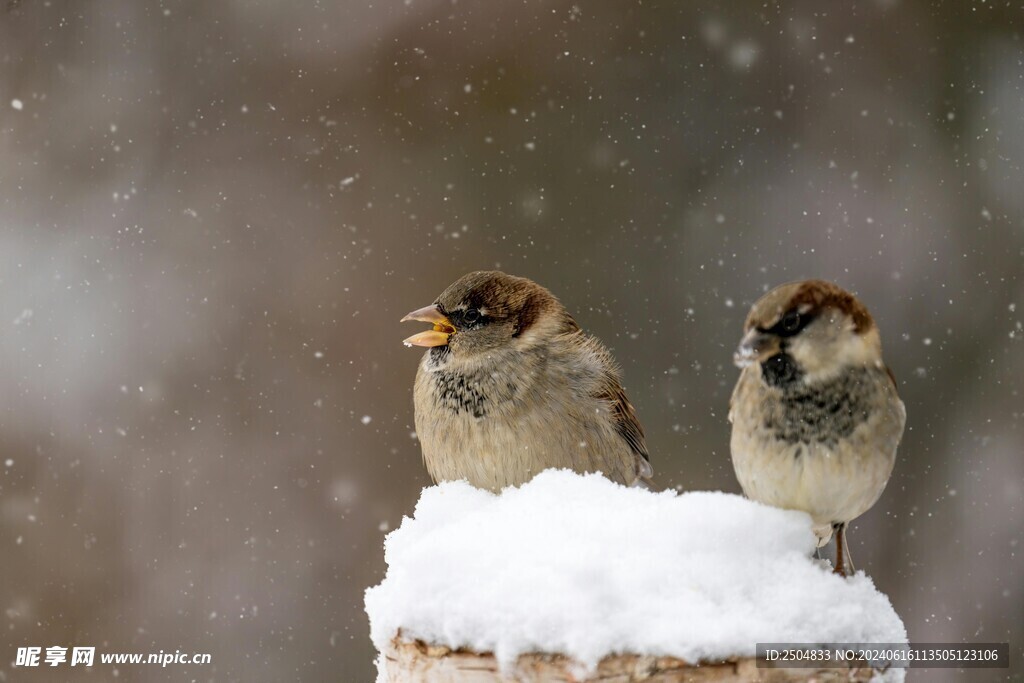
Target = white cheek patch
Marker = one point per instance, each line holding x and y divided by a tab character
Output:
544	328
828	351
530	337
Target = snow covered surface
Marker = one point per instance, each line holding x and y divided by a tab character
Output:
584	567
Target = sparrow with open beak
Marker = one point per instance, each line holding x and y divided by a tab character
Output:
511	386
815	414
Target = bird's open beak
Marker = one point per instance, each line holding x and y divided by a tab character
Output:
438	336
755	347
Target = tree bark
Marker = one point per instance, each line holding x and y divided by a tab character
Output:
417	662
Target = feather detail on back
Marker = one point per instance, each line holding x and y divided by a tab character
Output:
627	424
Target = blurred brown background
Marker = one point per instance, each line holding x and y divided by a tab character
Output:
213	215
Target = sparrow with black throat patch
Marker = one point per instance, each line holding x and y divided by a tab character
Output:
510	386
815	415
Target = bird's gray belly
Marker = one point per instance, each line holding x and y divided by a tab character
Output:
498	436
821	452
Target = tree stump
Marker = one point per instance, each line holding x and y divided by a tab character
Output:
418	662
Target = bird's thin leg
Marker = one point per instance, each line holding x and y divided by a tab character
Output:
849	554
839	528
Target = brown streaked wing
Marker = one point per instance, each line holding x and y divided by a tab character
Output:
626	422
892	377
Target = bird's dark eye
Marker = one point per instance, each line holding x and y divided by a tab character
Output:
471	315
792	323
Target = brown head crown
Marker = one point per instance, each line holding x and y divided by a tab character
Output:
809	298
499	296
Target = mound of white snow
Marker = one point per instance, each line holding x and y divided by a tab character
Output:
584	567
